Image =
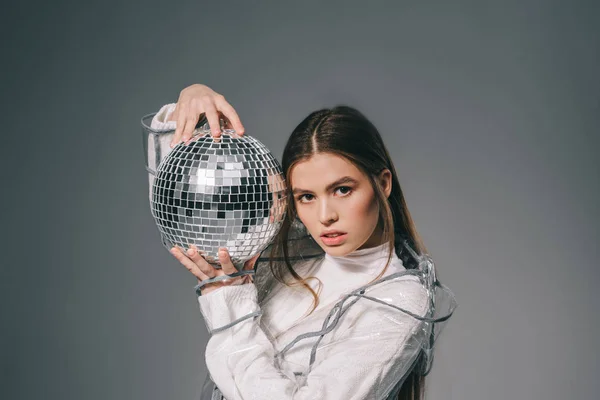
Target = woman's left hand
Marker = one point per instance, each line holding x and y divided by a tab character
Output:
201	269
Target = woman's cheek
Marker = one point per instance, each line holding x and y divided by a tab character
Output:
303	218
358	209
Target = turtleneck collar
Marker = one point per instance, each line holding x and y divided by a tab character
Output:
365	260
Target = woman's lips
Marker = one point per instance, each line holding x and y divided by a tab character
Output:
332	241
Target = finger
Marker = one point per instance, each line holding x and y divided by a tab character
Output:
189	264
229	112
226	264
202	264
181	117
191	122
213	119
250	263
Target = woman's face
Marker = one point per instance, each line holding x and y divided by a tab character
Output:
331	194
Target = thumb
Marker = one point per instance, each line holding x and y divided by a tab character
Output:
250	263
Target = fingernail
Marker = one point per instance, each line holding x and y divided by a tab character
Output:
190	252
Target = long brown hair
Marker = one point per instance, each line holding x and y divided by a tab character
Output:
346	132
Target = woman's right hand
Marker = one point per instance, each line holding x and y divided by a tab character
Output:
196	100
194	261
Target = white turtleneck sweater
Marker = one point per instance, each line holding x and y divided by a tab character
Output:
366	353
362	357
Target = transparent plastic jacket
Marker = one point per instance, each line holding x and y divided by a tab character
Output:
361	347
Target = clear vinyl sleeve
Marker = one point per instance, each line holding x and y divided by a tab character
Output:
361	346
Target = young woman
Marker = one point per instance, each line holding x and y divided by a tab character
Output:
344	304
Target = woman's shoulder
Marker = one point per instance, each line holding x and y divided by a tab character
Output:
403	291
389	311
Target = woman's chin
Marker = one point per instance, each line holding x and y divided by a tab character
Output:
338	251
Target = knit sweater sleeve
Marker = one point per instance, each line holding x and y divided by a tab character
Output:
159	121
376	347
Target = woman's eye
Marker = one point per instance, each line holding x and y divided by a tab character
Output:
345	189
300	198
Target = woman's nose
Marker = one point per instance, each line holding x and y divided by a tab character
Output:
327	213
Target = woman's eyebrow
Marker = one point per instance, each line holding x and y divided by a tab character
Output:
345	179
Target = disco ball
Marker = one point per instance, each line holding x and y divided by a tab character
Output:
219	192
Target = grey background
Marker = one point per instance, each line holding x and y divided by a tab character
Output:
490	109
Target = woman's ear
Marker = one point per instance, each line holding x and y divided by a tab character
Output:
385	180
